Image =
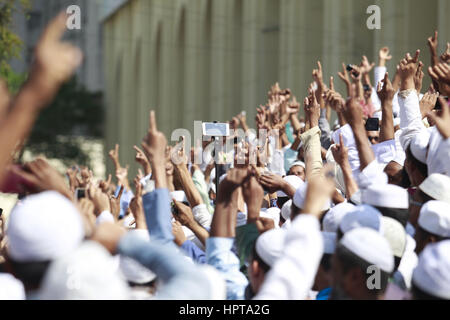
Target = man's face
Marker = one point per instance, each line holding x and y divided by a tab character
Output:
394	173
338	280
298	171
415	204
373	136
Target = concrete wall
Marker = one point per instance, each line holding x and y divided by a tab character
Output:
210	59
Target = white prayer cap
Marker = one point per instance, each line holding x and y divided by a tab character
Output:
179	196
217	284
386	196
294	181
132	270
395	234
298	163
362	216
272	213
419	147
432	274
44	227
269	245
286	210
11	288
88	273
287	224
300	195
437	186
334	217
435	218
370	246
329	242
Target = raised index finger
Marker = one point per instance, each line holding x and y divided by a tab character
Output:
55	28
153	126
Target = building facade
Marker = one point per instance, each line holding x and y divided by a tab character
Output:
210	59
88	38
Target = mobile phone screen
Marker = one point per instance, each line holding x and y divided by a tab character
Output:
373	124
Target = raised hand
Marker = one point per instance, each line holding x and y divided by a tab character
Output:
141	158
445	57
344	75
384	56
114	155
184	214
55	61
105	185
99	199
385	92
340	152
366	66
122	177
440	73
442	121
114	203
318	74
312	110
178	233
428	102
253	196
433	45
137	206
154	144
418	77
43	177
408	68
320	189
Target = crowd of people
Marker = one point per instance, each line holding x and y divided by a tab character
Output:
356	209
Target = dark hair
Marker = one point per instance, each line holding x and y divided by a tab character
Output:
325	262
255	256
427	234
281	201
30	273
405	182
422	167
401	215
419	294
348	260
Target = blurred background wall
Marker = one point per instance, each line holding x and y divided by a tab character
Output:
210	59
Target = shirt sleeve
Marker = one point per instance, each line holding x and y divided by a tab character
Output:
350	143
410	116
125	200
181	279
311	144
324	126
158	215
246	236
293	274
220	256
200	183
194	252
202	215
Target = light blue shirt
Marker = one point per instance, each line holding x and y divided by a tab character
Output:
219	254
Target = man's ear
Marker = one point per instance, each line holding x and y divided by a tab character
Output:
255	268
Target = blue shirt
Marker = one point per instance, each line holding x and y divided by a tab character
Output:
219	254
324	294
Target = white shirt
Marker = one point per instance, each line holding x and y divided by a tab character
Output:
292	276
